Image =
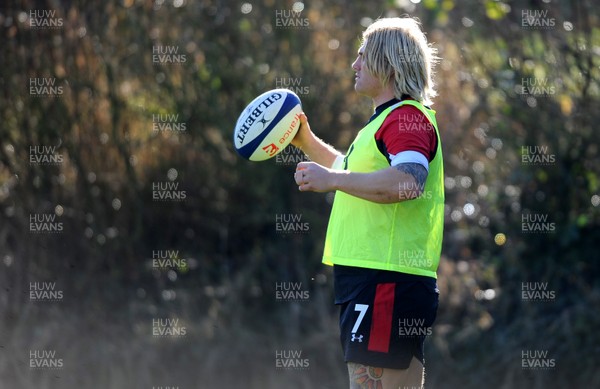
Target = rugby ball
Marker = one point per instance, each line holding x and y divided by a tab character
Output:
267	125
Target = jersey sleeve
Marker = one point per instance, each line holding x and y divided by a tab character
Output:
406	135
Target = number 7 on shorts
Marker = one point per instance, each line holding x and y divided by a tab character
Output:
362	308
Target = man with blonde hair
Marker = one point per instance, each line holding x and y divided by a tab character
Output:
385	230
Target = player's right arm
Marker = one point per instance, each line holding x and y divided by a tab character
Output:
316	149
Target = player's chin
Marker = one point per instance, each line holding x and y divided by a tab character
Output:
361	91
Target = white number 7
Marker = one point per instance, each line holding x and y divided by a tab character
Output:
363	310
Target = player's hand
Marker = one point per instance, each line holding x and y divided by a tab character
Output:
311	176
304	132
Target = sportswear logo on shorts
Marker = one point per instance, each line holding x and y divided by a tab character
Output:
359	338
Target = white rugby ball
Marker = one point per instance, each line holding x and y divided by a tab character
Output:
267	125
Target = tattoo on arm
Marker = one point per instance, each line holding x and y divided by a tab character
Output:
416	170
365	377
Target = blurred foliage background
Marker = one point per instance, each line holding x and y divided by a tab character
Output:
518	113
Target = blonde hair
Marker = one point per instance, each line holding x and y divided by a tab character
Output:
395	49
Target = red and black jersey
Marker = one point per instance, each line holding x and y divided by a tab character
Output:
405	129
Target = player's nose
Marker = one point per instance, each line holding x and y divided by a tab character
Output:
355	65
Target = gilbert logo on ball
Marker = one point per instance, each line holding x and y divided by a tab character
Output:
267	125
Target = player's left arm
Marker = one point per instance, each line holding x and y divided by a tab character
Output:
394	184
407	151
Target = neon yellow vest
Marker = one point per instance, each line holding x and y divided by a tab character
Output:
404	236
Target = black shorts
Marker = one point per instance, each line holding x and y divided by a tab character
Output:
385	324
